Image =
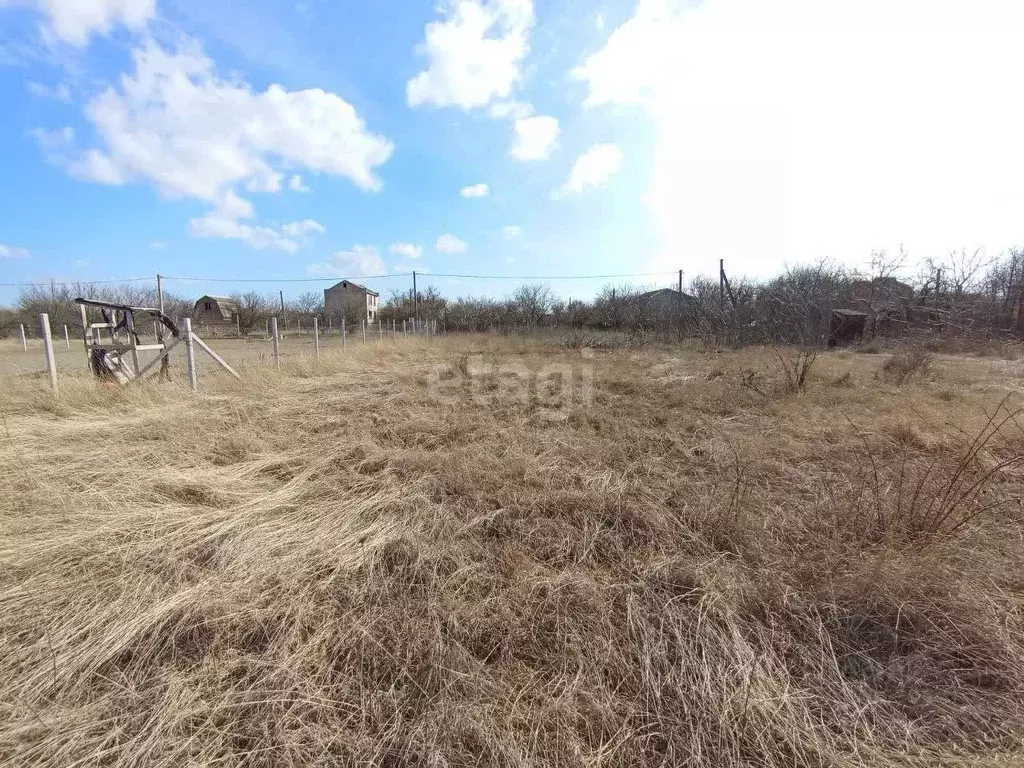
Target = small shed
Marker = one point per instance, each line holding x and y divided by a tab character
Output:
846	326
215	310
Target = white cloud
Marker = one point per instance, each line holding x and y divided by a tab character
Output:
407	250
60	92
295	184
473	54
174	123
157	245
361	261
303	228
515	110
512	231
13	252
451	244
760	158
75	21
535	137
224	222
594	168
477	190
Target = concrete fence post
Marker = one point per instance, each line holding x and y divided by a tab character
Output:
362	324
277	341
344	334
190	356
316	336
51	365
24	343
67	339
380	329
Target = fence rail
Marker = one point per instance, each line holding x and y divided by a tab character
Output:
379	332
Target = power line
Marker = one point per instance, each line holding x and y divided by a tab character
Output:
550	277
425	274
77	282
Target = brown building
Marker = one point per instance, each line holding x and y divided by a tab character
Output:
348	299
215	311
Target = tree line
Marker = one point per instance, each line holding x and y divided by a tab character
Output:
965	294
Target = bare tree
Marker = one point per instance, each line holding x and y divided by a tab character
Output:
533	302
253	308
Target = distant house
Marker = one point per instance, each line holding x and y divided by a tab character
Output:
667	298
215	311
348	299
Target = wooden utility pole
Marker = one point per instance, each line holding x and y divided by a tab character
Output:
160	294
680	281
721	283
415	300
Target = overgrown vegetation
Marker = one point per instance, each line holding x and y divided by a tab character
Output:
906	365
371	560
964	301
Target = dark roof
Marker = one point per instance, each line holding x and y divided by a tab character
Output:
344	283
667	294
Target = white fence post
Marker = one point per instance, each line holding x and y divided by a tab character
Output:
362	324
344	334
405	331
316	336
190	356
51	365
24	344
67	339
380	329
276	340
392	329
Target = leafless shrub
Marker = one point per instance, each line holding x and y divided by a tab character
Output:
795	367
907	365
911	498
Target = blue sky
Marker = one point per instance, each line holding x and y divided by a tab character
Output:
329	139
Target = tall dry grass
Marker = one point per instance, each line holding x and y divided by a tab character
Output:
373	561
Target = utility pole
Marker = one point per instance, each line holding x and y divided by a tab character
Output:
415	299
281	295
160	292
680	281
721	282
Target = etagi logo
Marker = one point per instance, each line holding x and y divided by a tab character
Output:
554	389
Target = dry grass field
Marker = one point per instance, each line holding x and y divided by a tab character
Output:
485	552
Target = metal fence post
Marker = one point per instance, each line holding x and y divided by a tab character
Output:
51	365
190	356
276	340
